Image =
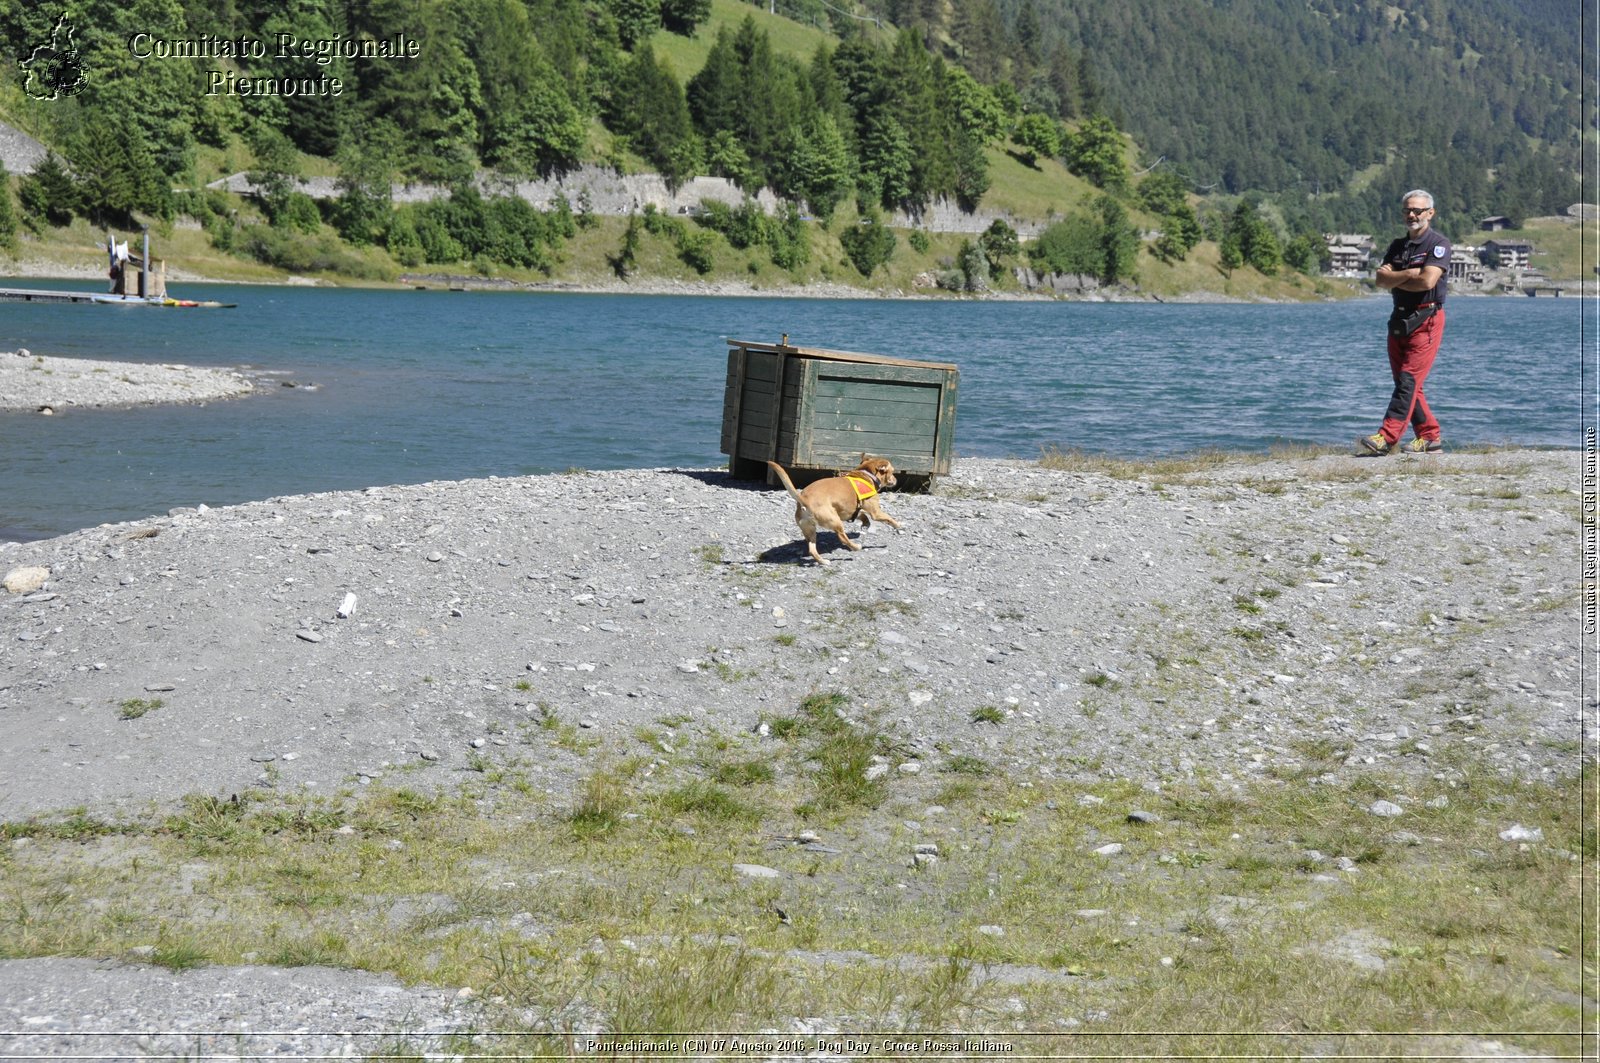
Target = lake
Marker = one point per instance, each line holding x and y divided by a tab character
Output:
427	385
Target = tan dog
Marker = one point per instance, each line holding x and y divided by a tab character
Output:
831	502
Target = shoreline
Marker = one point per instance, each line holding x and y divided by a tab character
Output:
1080	635
42	269
48	383
442	572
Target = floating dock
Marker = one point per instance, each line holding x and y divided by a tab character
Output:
151	287
36	295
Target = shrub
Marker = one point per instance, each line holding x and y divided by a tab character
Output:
747	225
695	248
787	240
298	213
303	253
403	242
868	244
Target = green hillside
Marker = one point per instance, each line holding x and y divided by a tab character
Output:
1337	107
848	120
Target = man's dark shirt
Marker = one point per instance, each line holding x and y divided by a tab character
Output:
1430	249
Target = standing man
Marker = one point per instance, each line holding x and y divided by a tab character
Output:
1414	272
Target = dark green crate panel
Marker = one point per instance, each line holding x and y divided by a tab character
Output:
814	410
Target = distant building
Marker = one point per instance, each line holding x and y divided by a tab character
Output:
1495	224
1466	264
1348	252
1508	254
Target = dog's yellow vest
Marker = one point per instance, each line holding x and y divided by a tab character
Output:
865	488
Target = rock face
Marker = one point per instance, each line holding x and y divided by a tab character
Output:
19	152
1215	623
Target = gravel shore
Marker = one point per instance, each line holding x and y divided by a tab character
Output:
1189	620
31	381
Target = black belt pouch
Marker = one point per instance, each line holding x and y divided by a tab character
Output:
1403	324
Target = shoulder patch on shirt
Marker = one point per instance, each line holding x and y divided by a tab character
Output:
1438	252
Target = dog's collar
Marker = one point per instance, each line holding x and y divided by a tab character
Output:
865	484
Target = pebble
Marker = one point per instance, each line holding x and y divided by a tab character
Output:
756	871
306	635
1518	833
1385	808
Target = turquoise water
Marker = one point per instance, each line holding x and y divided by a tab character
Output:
414	386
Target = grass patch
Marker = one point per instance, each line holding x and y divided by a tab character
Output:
592	901
841	754
134	708
707	801
966	764
744	772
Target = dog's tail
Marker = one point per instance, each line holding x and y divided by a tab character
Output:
789	485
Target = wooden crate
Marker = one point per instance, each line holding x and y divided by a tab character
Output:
815	411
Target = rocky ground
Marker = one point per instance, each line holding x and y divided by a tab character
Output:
31	381
1193	620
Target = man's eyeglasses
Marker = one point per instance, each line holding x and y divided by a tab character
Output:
1417	210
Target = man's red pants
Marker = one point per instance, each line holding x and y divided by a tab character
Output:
1410	358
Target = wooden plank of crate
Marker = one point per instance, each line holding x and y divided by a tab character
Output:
945	433
733	401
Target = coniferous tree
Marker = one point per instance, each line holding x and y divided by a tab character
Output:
433	107
921	113
636	20
980	34
713	92
683	16
886	163
821	168
1119	241
116	173
48	195
972	172
657	124
8	213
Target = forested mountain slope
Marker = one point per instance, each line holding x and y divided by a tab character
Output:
1346	103
1253	124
